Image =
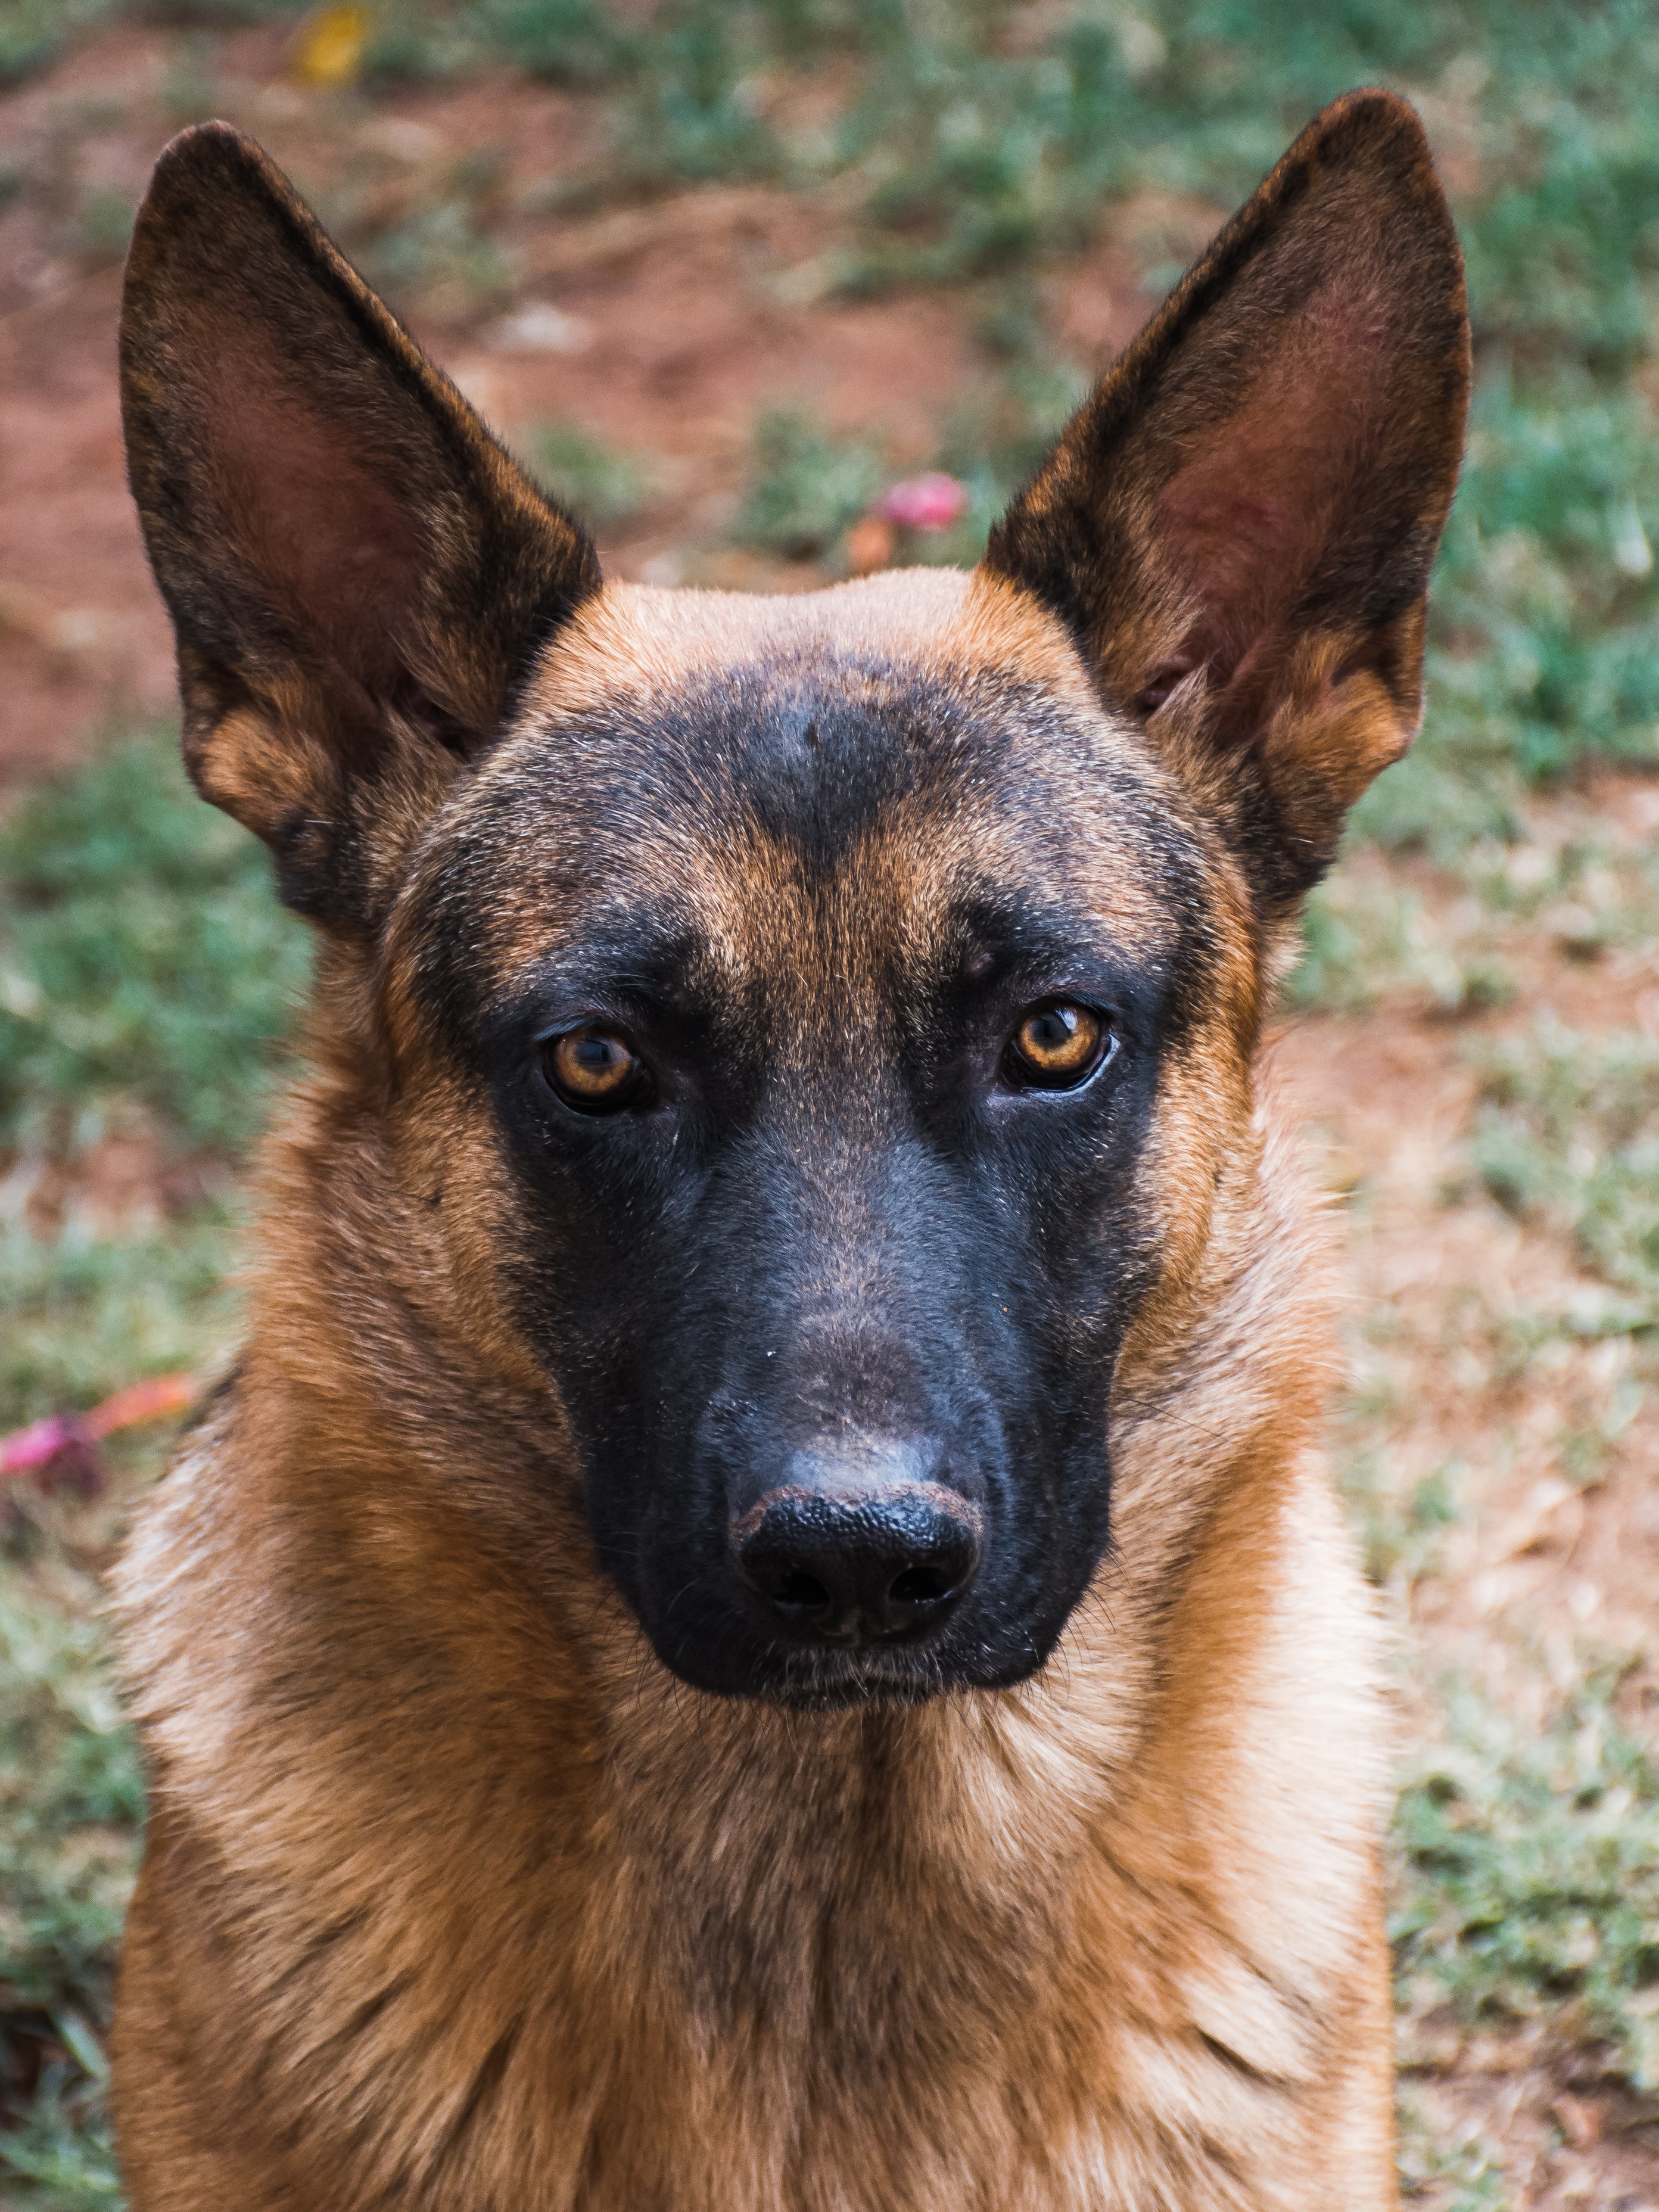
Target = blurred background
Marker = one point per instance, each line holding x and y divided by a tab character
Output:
731	277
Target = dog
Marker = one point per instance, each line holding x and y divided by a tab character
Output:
759	1626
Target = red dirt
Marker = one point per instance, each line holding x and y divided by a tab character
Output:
689	314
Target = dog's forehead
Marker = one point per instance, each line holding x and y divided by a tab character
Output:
837	777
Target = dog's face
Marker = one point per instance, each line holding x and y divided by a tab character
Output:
819	1020
822	1027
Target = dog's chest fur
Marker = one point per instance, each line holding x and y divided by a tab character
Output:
568	1935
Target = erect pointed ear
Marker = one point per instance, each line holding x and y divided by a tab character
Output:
357	574
1239	526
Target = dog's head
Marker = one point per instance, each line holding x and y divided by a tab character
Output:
820	1027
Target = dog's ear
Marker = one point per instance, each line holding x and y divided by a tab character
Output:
357	571
1239	526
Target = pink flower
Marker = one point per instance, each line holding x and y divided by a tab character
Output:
933	501
65	1445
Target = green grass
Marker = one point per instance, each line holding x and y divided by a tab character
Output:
1371	934
807	486
1567	1135
601	483
1528	1858
1545	632
147	976
71	1804
1530	1888
146	971
569	41
1365	938
1458	2175
83	1313
1401	1534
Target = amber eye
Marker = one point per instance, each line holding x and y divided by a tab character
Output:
594	1069
1057	1046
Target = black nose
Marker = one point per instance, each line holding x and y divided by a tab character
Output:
861	1561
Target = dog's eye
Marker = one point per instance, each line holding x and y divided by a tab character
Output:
1058	1046
594	1069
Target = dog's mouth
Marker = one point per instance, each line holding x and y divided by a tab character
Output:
807	1679
816	1680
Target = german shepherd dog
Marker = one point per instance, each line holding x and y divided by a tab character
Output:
760	1626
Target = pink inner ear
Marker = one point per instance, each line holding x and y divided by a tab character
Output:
1247	518
331	544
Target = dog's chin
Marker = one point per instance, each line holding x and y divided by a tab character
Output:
804	1679
835	1681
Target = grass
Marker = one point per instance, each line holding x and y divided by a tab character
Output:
84	1312
971	142
1365	935
601	483
1568	1135
807	487
146	972
1544	638
807	484
147	976
1530	1889
1527	1889
1461	2174
1369	935
71	1803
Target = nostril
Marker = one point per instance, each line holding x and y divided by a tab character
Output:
921	1586
805	1592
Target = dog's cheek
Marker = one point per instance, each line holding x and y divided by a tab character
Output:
1198	1158
583	1265
1058	1287
463	1223
498	1236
